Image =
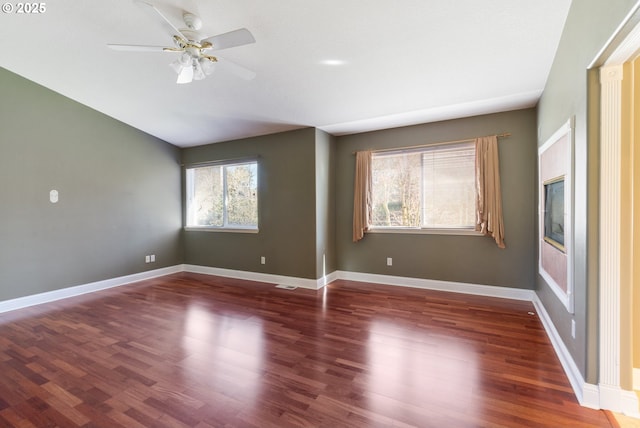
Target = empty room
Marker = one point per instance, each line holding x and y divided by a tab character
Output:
319	214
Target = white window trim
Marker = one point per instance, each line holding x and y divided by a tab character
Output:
425	231
462	231
223	229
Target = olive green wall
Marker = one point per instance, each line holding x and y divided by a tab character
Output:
469	259
325	204
589	25
119	194
286	208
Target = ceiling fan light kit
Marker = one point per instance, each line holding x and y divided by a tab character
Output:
194	62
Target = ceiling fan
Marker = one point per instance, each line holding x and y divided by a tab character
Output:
195	61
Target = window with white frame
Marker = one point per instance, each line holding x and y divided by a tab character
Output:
432	187
223	196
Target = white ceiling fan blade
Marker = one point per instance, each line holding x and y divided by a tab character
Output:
235	69
186	75
231	39
155	13
136	48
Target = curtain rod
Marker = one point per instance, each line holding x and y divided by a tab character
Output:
220	161
503	135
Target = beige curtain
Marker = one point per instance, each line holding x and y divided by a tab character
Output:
489	196
362	195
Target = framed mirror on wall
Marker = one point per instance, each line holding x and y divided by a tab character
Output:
555	229
554	212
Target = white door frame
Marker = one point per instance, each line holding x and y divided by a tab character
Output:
610	394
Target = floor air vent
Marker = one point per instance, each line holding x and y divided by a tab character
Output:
286	287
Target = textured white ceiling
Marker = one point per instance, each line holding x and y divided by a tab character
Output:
402	62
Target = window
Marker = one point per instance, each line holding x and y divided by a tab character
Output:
223	196
427	188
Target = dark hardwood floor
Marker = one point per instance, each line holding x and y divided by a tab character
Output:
190	350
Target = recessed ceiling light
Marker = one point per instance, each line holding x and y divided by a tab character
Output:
333	62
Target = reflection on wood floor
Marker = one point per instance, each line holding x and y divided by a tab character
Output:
189	350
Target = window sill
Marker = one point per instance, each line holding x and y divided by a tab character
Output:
220	229
424	231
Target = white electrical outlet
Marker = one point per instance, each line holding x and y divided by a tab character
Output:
147	259
263	260
573	328
152	257
389	261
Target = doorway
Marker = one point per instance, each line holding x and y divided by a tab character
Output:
619	221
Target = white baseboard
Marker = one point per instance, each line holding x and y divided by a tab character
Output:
313	284
50	296
630	404
431	284
590	395
619	400
587	394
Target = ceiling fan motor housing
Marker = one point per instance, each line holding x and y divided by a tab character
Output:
192	21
